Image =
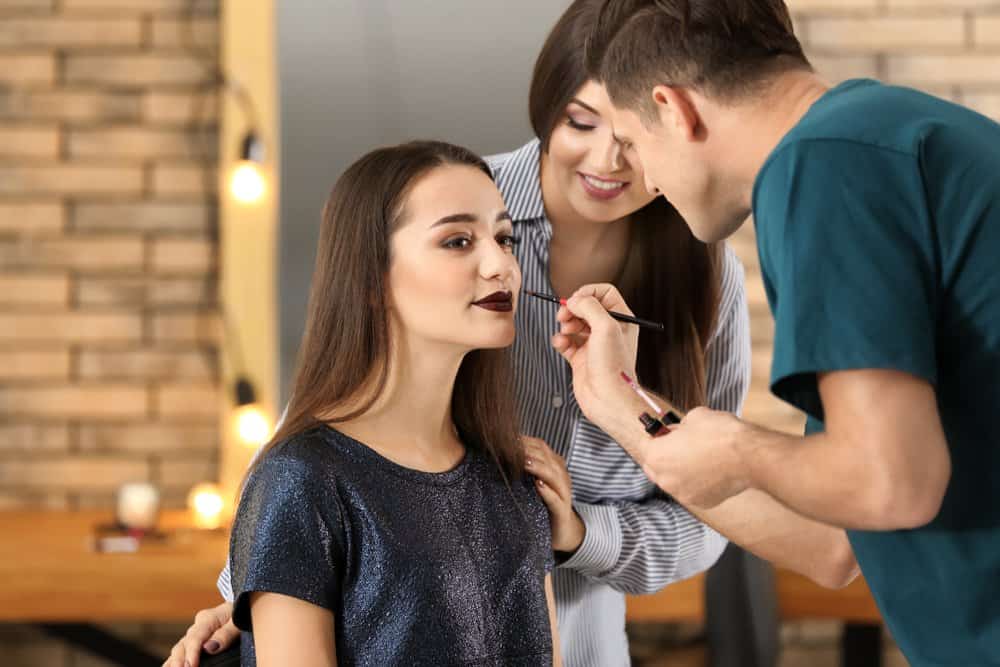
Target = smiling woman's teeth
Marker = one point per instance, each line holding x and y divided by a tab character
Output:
603	185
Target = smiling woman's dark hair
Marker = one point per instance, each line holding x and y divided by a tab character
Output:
344	358
669	275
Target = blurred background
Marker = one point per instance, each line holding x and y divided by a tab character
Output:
163	164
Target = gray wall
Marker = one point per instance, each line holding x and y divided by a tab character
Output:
357	74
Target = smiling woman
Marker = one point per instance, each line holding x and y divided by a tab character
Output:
387	521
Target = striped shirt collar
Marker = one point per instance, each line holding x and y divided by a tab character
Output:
519	180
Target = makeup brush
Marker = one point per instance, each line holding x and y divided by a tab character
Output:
618	316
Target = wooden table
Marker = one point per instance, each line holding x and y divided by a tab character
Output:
798	598
51	574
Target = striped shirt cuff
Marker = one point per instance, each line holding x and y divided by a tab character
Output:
223	584
602	542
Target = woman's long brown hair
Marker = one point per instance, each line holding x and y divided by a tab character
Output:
343	363
669	276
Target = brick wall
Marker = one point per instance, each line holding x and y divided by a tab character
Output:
950	48
108	319
108	339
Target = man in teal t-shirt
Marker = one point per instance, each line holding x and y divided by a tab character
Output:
886	254
877	212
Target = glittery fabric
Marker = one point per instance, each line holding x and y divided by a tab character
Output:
418	568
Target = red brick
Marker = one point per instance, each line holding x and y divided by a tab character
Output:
181	108
80	253
949	70
142	6
888	33
103	401
187	327
70	179
33	436
143	216
69	327
180	256
115	291
34	365
184	179
190	401
145	364
134	70
69	105
201	33
148	438
28	69
139	143
184	473
59	32
73	473
31	218
34	142
34	290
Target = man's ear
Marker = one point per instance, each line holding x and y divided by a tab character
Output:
676	110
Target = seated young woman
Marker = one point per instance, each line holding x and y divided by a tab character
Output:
388	521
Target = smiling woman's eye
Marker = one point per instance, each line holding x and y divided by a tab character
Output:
578	126
457	243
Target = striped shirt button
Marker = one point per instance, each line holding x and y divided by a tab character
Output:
557	401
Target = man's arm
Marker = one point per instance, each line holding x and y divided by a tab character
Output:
882	464
753	519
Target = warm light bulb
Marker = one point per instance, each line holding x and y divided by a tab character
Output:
205	502
247	183
252	425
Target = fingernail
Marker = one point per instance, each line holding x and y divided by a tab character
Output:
527	462
187	663
211	646
541	483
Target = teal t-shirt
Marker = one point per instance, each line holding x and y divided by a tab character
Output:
878	227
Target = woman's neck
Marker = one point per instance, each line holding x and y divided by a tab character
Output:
411	421
581	251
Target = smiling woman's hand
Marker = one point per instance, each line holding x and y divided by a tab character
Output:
556	490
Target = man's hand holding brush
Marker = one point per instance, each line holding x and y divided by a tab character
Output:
699	463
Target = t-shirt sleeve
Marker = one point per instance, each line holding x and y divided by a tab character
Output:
846	250
288	536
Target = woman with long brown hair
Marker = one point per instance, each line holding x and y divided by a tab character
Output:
583	216
388	520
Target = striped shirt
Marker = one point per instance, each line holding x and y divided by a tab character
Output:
637	540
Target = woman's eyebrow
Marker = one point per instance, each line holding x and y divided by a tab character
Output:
467	217
586	106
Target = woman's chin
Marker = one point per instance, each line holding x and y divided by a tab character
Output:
499	338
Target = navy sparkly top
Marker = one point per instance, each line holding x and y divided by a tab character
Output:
418	568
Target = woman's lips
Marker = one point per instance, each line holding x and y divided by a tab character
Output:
501	302
601	188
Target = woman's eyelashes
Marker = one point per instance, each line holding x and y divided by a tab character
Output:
464	241
576	125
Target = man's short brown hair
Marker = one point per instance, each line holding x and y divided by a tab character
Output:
723	48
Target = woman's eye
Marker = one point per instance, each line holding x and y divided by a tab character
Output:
458	243
578	126
508	240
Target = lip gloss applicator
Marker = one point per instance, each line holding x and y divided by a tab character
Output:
651	424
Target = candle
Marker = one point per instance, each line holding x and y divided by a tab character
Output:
206	504
138	505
